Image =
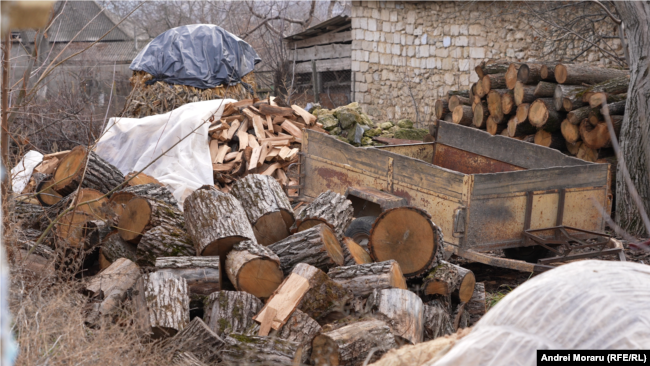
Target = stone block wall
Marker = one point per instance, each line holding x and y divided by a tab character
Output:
408	53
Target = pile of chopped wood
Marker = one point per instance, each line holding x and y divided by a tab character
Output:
328	300
552	104
161	97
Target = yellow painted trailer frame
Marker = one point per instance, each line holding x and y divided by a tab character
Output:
483	191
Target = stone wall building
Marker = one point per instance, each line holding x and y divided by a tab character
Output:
408	53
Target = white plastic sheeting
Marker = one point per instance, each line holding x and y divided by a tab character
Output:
21	173
582	305
132	143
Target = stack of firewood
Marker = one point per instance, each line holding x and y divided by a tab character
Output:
551	104
327	299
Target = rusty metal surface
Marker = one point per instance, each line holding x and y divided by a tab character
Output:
500	262
392	141
469	163
420	151
383	199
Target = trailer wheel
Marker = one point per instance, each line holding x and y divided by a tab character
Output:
359	230
529	254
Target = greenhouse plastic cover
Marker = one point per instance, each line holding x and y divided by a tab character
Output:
199	55
132	143
582	305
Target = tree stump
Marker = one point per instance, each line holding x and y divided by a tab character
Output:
167	302
363	279
316	246
354	253
330	208
100	175
201	273
266	205
401	309
254	269
240	349
437	321
198	339
112	284
142	214
113	247
351	344
163	241
476	306
232	312
407	235
450	279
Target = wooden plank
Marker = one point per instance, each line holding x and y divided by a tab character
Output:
255	157
322	39
233	128
269	123
334	64
243	140
322	52
428	176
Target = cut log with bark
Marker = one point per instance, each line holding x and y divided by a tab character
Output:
266	205
351	344
597	137
522	112
69	231
554	139
617	108
407	235
456	100
136	179
309	289
150	190
167	302
254	269
402	310
196	339
463	115
570	132
112	284
302	329
524	93
163	241
530	74
597	99
493	127
498	67
613	86
511	75
441	108
450	279
572	149
578	74
316	246
542	114
437	321
354	253
459	316
587	154
508	105
95	231
547	72
363	279
476	306
240	349
568	97
95	171
479	91
330	208
201	273
493	81
46	194
494	104
142	214
28	215
576	116
517	128
544	89
232	312
481	114
113	247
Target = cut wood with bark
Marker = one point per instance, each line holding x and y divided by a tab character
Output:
354	253
522	112
437	321
597	137
401	309
316	246
463	115
112	284
576	116
136	179
597	99
544	89
266	205
554	139
69	230
450	279
616	108
529	74
493	81
456	100
511	74
152	191
481	114
586	153
351	344
254	269
613	86
459	316
508	102
232	312
113	247
497	67
407	235
28	215
578	74
201	273
476	306
167	302
142	214
573	149
570	132
494	104
46	194
163	241
39	259
524	93
363	279
517	128
197	339
96	172
568	97
441	108
302	329
330	208
493	127
240	349
542	114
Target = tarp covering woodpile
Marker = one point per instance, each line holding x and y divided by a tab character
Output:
190	64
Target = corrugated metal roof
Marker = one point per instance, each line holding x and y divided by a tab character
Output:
338	22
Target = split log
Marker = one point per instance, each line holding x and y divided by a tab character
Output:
316	246
522	112
240	349
309	289
215	221
481	115
450	279
597	99
508	102
493	81
232	312
524	93
254	269
617	85
351	344
437	321
494	104
135	179
362	279
568	97
200	273
354	253
493	127
570	132
441	108
476	306
167	302
112	284
542	114
544	89
402	310
498	67
511	75
456	100
46	195
578	74
407	235
196	339
576	116
517	128
266	205
142	214
99	174
529	74
330	208
573	148
554	140
463	115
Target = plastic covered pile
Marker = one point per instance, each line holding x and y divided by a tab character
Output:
582	305
200	55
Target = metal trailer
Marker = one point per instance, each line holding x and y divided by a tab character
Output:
484	192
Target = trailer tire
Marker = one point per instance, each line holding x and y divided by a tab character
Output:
529	254
359	230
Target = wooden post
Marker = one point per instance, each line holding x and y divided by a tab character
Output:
314	81
4	141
